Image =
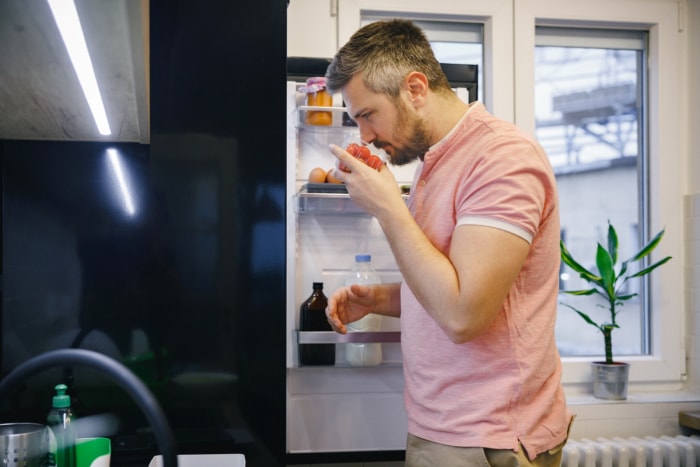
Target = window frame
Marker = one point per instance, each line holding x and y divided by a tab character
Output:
664	367
509	48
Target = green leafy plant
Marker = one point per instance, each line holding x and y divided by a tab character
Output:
610	280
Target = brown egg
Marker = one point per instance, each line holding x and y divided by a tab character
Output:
317	175
330	178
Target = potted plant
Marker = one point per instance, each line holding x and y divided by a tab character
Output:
610	377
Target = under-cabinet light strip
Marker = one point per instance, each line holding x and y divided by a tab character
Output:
66	16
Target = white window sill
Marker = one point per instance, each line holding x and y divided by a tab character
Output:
634	397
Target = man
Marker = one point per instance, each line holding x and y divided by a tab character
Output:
478	248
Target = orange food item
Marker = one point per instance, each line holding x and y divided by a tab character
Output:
317	175
330	178
318	96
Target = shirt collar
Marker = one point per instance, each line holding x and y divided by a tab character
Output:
435	148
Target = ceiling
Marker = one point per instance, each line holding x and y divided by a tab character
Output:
40	96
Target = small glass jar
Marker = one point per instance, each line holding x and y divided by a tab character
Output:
317	96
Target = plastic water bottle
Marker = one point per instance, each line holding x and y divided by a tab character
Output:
368	354
60	421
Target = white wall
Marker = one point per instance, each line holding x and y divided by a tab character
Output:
692	28
311	29
692	201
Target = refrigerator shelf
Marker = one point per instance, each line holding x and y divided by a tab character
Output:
327	203
339	122
317	107
333	200
332	337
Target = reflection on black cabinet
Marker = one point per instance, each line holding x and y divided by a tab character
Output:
188	288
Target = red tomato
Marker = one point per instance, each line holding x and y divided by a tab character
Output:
363	153
374	161
352	148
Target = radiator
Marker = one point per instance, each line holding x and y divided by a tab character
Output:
662	451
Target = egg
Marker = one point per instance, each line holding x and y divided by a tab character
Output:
330	178
317	175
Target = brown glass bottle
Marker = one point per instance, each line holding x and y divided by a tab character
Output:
312	317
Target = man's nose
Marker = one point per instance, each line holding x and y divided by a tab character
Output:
366	134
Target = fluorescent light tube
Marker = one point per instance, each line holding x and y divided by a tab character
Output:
68	23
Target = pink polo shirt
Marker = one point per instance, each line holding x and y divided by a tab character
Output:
503	387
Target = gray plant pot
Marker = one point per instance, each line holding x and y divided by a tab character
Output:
610	380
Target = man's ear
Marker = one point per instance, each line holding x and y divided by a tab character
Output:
417	86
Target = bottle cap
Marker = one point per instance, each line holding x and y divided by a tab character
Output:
61	400
318	285
363	258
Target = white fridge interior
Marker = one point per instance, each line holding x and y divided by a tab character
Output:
340	407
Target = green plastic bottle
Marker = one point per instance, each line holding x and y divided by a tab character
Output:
60	421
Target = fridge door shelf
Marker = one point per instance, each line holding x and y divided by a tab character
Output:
334	201
332	337
327	203
304	108
338	122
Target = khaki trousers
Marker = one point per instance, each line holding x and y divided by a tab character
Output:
424	453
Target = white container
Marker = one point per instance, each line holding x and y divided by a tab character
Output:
369	354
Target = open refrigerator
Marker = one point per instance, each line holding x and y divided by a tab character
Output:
339	408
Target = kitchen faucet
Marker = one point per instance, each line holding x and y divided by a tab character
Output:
115	371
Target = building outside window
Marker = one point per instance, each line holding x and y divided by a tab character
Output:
589	108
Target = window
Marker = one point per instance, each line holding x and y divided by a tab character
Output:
589	102
656	344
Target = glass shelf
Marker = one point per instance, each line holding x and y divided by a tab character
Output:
327	203
332	337
361	337
304	108
339	123
335	202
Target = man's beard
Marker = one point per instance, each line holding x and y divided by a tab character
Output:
418	138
